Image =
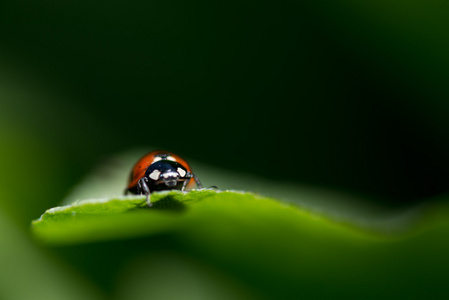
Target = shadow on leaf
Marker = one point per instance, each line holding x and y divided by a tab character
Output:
167	203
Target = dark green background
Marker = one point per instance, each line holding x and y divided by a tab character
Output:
347	95
343	94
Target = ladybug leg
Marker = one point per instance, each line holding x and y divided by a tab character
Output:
147	199
143	187
184	185
197	180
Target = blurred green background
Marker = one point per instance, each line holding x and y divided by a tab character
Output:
343	95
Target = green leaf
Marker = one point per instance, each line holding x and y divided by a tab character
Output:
102	219
109	178
275	248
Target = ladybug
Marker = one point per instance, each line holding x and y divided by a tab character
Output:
160	171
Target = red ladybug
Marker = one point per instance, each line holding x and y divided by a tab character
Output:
160	171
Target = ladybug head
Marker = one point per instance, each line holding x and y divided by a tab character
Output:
165	175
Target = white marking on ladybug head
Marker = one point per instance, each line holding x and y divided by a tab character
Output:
170	175
155	174
171	158
181	172
157	158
